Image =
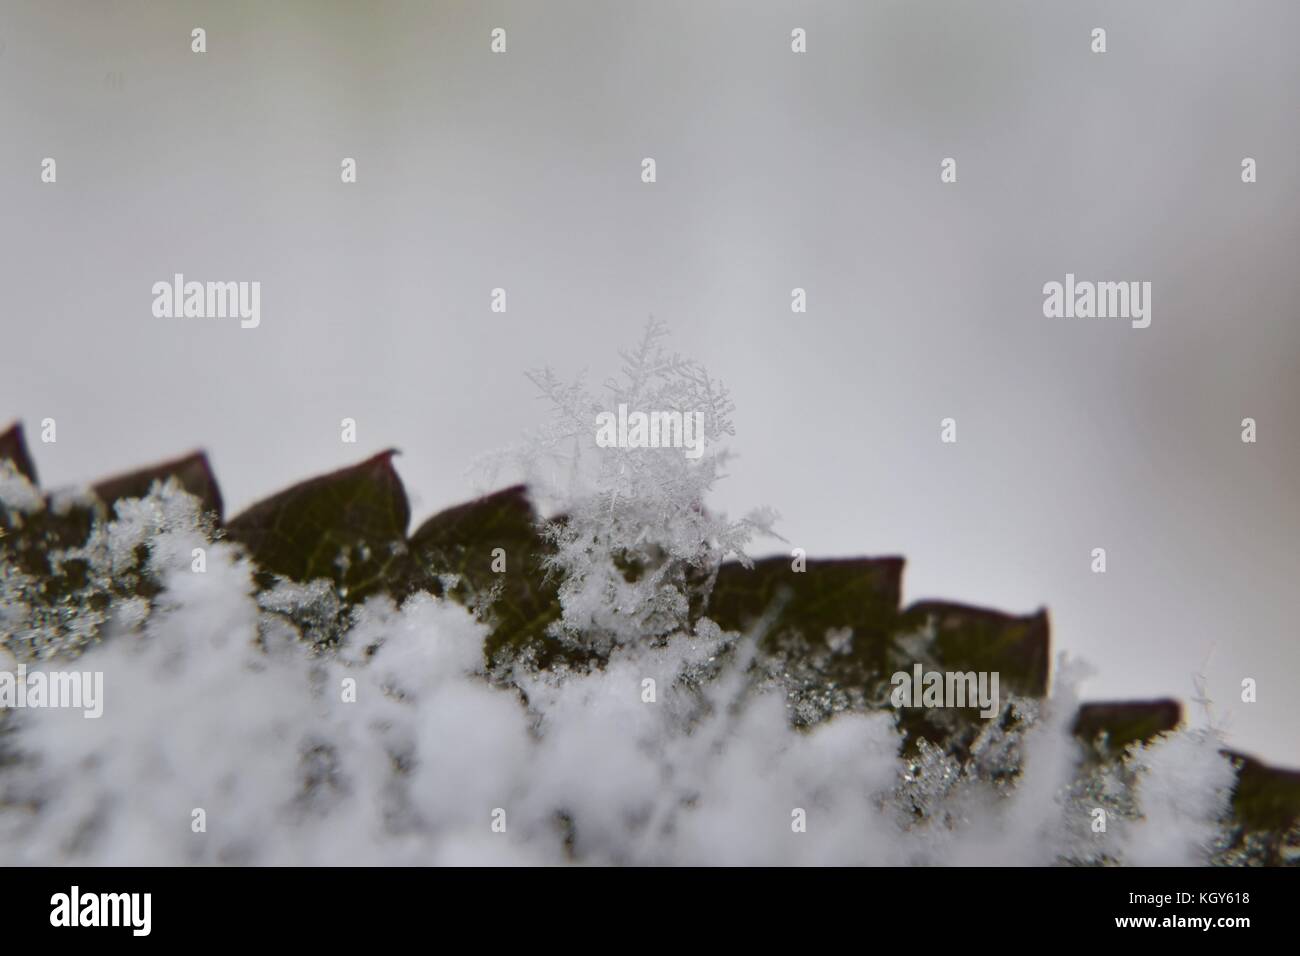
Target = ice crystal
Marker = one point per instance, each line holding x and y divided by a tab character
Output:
635	536
57	595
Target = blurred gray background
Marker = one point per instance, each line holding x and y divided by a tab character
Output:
775	171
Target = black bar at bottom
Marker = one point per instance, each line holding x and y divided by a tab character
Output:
335	906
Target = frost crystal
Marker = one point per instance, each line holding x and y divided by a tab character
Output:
75	568
634	537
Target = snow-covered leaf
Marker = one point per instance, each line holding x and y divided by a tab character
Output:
456	552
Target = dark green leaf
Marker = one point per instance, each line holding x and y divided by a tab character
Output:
1266	798
978	639
1124	722
858	593
462	541
192	472
348	526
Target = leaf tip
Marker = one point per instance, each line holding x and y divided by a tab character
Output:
13	447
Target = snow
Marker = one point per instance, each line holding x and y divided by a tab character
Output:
206	707
16	492
310	735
